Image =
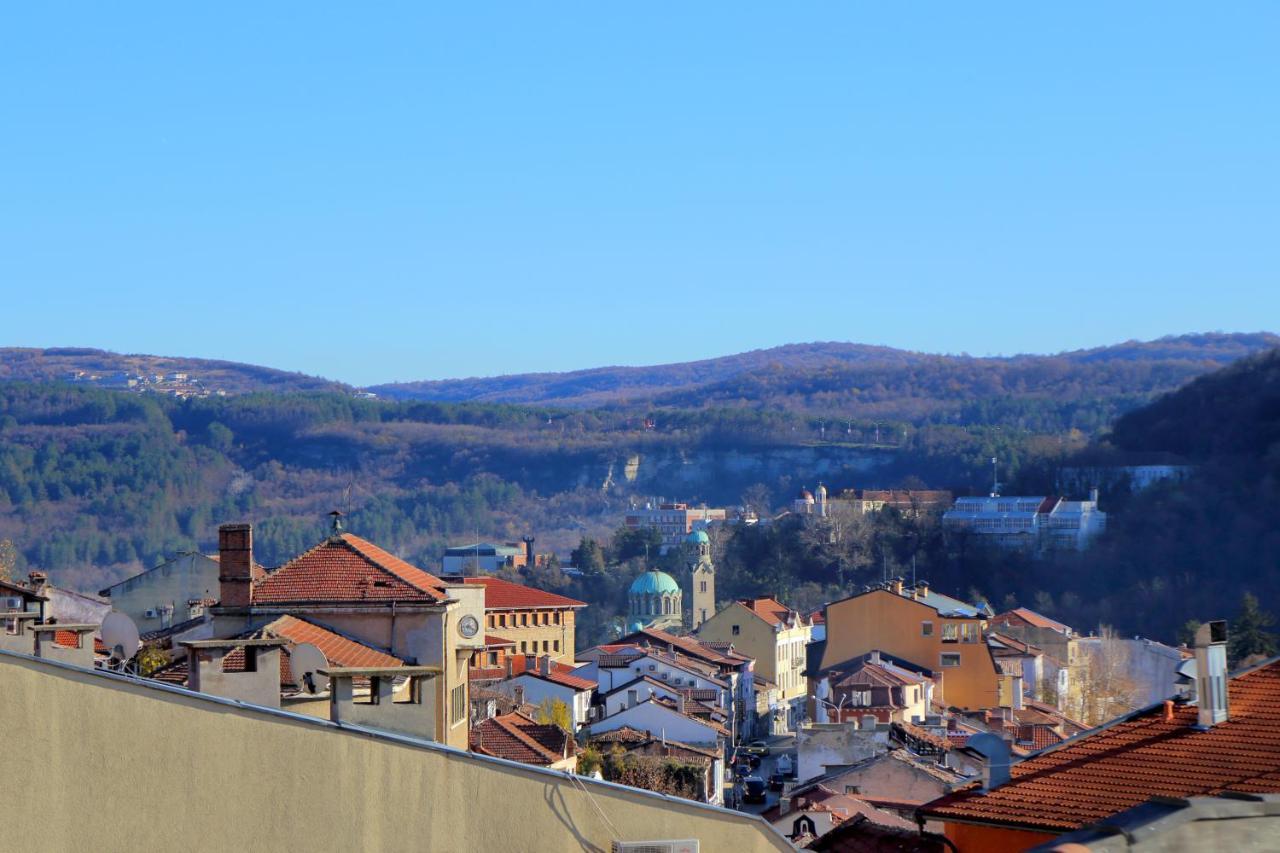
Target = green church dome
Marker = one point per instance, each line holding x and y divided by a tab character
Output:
654	583
698	537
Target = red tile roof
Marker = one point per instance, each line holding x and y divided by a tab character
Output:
517	738
337	649
769	609
1023	616
347	568
505	595
1141	756
493	642
561	673
689	645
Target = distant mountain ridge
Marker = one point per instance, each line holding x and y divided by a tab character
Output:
59	364
735	378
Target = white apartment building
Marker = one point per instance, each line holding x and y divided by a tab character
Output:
1029	521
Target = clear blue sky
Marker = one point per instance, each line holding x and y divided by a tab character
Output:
373	192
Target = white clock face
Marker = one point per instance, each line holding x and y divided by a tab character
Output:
468	626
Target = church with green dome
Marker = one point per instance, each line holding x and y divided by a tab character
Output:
655	600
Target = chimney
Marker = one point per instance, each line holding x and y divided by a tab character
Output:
519	692
896	586
875	656
868	723
236	570
544	664
680	701
530	559
37	579
922	589
995	770
1211	674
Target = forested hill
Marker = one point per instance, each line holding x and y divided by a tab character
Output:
859	380
19	364
1186	550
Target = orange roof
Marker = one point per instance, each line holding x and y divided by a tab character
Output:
561	673
1023	616
337	649
1108	770
517	738
505	595
769	609
347	568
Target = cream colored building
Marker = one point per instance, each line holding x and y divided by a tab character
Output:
218	775
172	592
775	636
369	595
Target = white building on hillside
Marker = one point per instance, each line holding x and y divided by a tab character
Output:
1029	521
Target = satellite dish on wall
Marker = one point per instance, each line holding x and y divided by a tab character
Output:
305	660
120	636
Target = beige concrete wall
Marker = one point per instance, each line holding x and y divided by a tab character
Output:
161	770
534	636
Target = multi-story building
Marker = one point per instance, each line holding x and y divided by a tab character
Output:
776	636
351	586
674	521
927	631
527	620
909	502
484	557
178	589
1029	522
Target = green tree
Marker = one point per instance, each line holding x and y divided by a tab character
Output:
1187	633
588	557
1249	635
220	437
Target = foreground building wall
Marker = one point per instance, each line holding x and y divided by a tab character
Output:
124	764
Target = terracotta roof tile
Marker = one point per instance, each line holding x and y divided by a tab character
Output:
517	738
1141	756
769	609
347	568
505	595
561	673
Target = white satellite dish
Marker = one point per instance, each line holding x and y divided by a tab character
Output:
305	660
120	636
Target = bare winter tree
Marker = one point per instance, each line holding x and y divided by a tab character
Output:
1102	682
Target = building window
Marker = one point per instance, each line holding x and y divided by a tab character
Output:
458	704
524	647
950	632
969	632
555	645
736	630
926	629
555	617
702	586
502	620
493	658
950	659
546	645
852	789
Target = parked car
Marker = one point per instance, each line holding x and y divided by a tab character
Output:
776	781
742	768
753	790
756	747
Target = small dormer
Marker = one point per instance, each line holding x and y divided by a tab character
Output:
69	643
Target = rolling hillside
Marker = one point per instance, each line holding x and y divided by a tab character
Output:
824	377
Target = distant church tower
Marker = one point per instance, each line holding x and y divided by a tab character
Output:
704	577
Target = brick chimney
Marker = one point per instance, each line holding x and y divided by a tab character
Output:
236	569
544	664
896	586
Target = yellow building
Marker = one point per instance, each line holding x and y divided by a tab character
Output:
353	587
934	632
775	636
